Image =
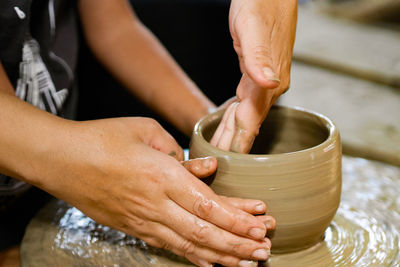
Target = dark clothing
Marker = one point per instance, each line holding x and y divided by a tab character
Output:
38	50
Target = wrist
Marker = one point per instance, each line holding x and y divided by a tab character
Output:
26	135
45	150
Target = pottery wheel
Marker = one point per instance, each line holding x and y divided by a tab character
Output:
364	232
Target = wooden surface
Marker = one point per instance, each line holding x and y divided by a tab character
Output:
361	50
10	257
367	114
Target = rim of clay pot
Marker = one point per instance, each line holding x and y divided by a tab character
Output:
329	125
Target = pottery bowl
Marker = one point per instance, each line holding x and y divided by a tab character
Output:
294	167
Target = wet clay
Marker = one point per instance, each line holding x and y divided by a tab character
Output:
364	232
294	167
366	228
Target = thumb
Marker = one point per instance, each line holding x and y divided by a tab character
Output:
257	55
201	167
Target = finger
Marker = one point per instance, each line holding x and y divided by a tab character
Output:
248	205
268	221
256	50
253	207
218	133
201	167
242	140
248	121
210	236
159	139
198	199
197	254
227	103
225	140
251	111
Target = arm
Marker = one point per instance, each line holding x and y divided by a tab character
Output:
129	51
263	33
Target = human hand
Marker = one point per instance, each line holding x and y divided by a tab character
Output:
263	33
126	173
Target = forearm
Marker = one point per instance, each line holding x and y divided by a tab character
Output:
28	139
57	155
140	62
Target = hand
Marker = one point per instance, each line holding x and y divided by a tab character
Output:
126	173
263	33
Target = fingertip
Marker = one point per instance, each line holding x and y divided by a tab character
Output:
269	244
270	223
209	163
257	233
213	163
260	208
254	207
270	75
265	78
201	167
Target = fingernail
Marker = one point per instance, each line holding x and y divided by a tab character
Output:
268	224
270	75
205	263
244	263
207	163
268	243
211	110
259	207
257	233
261	254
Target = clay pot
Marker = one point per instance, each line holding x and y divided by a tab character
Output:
294	167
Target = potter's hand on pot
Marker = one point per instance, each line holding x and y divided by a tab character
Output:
126	173
263	33
204	167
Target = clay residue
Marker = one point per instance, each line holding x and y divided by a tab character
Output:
364	232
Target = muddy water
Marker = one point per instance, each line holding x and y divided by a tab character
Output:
364	232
